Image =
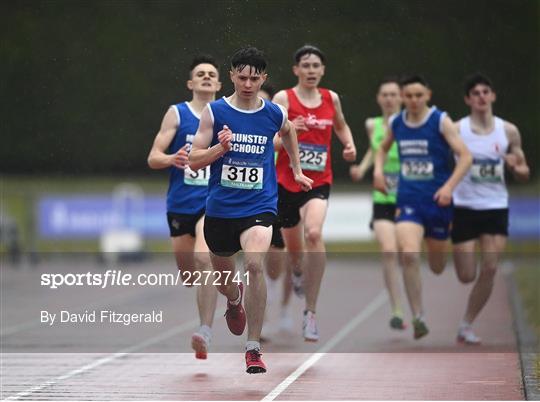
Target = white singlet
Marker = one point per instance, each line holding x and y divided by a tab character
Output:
483	187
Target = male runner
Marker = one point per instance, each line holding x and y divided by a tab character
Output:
425	137
481	199
242	196
186	196
275	259
315	112
384	205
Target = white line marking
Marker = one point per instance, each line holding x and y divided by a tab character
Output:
377	302
150	341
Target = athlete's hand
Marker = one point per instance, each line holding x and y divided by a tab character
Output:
349	152
225	138
299	123
304	181
180	158
379	183
356	173
443	196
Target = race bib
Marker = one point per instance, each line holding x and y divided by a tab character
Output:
197	178
391	180
244	174
312	156
417	169
487	171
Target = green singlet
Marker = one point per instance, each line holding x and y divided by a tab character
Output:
391	166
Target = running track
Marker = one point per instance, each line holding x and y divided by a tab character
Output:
358	356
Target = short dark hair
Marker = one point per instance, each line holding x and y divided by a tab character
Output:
269	89
474	79
391	79
249	56
202	59
413	79
308	49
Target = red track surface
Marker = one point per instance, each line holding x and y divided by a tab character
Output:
365	361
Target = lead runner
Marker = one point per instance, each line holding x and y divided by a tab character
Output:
235	137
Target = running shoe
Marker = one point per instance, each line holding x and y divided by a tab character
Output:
420	328
467	336
254	363
298	283
396	322
236	315
200	343
311	333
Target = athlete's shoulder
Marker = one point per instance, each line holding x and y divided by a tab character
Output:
510	129
395	118
281	98
370	125
278	109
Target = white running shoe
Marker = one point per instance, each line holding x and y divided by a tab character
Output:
467	336
200	342
311	333
298	284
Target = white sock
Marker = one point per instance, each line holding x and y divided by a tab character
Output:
464	324
206	330
237	301
250	345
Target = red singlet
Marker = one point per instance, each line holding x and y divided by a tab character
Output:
314	145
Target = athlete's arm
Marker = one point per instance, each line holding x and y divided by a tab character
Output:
380	157
515	158
157	158
443	196
343	131
357	172
200	155
290	143
277	142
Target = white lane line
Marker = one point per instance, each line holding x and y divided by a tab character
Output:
373	306
100	362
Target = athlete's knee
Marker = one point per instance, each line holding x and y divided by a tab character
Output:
313	235
254	268
437	267
488	270
466	276
409	258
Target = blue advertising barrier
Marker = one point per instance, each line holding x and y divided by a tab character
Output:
87	216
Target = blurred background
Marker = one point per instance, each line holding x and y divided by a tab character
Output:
85	86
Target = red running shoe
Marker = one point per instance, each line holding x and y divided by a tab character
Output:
254	363
200	343
236	315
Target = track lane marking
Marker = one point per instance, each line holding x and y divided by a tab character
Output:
373	306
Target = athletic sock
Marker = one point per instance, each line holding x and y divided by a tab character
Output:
397	313
464	324
236	302
253	345
206	330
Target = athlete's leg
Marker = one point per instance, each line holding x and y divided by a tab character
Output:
183	247
385	233
491	246
313	214
436	253
465	260
255	242
206	293
275	262
409	238
293	238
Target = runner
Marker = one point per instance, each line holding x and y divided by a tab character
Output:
481	199
242	197
187	191
275	259
314	112
425	137
384	205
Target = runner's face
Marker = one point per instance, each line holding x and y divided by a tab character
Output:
247	82
415	97
389	98
480	98
309	71
204	78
